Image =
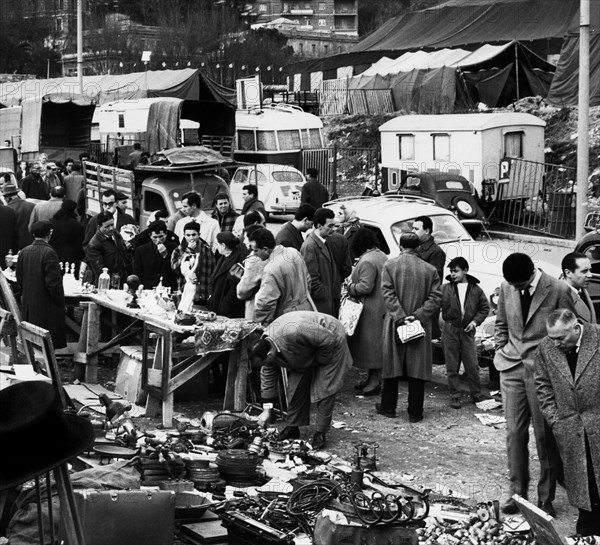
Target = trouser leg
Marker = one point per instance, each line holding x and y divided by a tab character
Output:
517	413
325	413
588	523
451	348
389	394
416	397
547	449
468	352
298	413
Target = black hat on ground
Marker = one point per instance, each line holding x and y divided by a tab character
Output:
36	434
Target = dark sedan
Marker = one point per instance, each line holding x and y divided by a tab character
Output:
450	191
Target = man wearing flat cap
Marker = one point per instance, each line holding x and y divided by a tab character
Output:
39	281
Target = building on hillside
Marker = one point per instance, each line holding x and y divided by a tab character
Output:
329	16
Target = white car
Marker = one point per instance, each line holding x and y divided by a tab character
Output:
391	215
279	186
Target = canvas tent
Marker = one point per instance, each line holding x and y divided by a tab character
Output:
216	103
448	80
565	85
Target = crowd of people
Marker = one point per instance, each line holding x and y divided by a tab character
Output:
294	283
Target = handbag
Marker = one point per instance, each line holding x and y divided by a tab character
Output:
350	310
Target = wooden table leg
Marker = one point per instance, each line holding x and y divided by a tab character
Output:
68	508
159	376
86	365
237	378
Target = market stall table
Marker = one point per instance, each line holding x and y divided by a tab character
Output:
160	376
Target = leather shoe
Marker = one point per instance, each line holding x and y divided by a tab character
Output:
509	507
289	432
318	441
547	508
413	419
384	412
358	387
376	390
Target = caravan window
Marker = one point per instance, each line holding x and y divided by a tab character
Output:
441	147
315	138
266	141
289	139
406	145
513	144
246	141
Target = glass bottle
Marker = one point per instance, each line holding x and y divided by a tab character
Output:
104	281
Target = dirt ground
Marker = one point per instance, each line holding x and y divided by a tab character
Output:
450	448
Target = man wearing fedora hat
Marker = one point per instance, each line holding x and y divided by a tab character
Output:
39	281
22	210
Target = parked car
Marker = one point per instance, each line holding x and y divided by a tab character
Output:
590	246
391	215
279	186
450	191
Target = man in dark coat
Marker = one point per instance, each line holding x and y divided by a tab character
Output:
526	298
319	261
290	235
152	261
8	239
34	186
340	251
430	252
577	272
39	281
567	375
312	348
411	290
251	202
313	191
109	205
22	210
107	250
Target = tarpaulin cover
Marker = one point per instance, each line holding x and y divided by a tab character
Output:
163	122
456	24
193	154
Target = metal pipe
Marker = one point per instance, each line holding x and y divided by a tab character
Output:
583	123
80	45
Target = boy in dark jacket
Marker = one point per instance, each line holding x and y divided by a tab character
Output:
464	307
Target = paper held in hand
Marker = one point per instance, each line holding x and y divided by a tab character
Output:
410	331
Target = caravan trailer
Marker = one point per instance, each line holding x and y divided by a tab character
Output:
276	134
470	145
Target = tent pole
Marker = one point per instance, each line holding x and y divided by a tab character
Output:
517	71
80	45
583	123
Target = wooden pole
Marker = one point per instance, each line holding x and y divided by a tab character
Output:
583	123
80	45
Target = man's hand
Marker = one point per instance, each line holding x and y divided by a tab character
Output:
472	326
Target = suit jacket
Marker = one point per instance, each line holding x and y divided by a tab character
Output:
340	251
433	254
150	266
284	286
289	237
39	281
517	342
111	253
319	262
22	210
314	342
8	240
584	307
409	286
571	406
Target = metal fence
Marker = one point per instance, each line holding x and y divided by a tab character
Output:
344	171
536	196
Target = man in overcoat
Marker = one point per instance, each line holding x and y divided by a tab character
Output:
313	191
285	280
290	234
577	272
411	290
312	347
567	379
152	261
526	298
319	261
39	281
